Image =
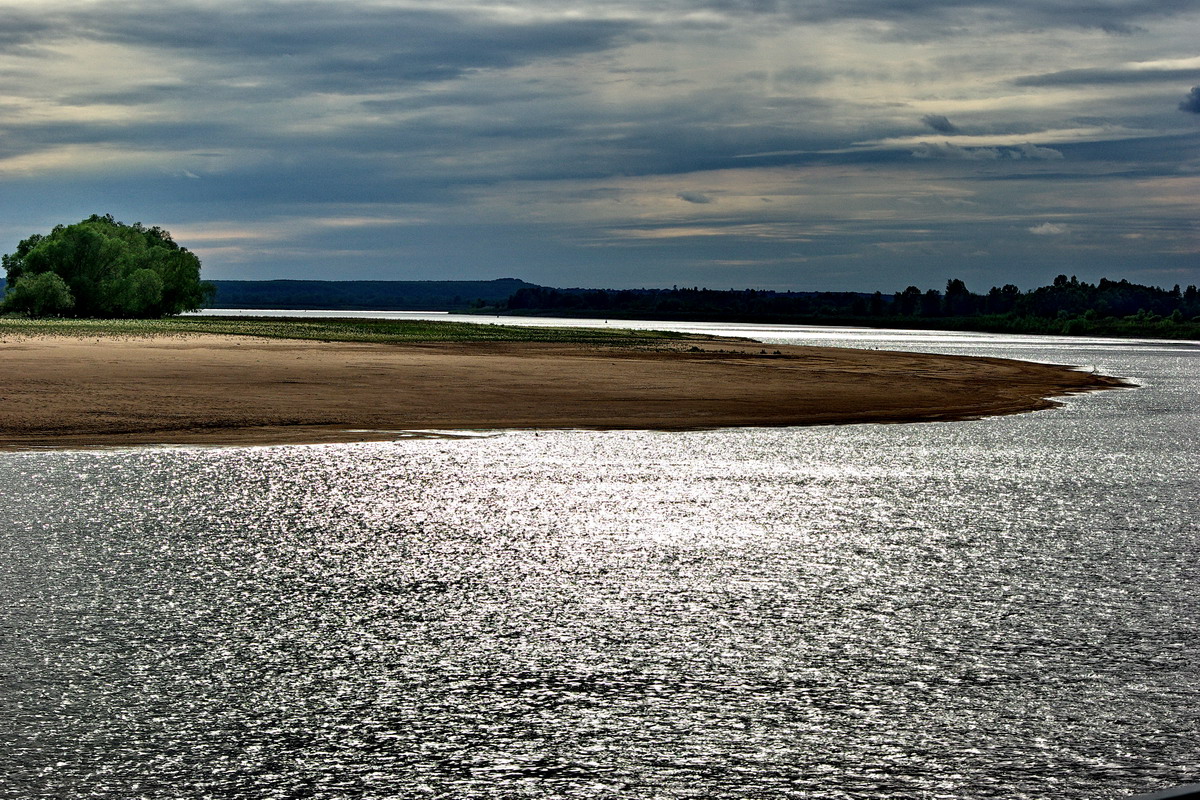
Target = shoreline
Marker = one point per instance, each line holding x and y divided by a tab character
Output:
207	389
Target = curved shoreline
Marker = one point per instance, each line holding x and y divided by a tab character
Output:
60	392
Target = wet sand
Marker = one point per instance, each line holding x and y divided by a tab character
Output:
229	390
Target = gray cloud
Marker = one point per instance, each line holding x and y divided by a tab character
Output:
1083	77
1191	103
952	152
412	43
939	123
254	59
1033	152
924	19
290	30
803	75
323	46
21	32
489	130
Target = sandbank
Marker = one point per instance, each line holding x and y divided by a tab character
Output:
65	392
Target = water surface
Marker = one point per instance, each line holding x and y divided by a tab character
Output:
994	609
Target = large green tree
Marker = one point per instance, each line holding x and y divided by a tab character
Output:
110	269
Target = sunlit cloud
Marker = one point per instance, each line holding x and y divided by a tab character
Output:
1048	229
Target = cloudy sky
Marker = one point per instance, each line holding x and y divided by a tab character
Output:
788	144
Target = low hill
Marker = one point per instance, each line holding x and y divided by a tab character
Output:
366	295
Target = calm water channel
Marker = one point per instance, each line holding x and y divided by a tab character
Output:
997	609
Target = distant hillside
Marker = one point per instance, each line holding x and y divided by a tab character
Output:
366	295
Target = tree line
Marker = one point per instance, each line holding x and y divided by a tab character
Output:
1067	306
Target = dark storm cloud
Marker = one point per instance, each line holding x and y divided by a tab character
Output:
939	123
1191	103
1084	77
694	197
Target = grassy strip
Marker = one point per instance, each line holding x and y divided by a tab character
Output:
333	330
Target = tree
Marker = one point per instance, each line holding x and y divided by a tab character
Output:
41	295
931	303
1000	300
959	301
908	301
109	269
876	309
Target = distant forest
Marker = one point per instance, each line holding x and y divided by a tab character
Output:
1068	306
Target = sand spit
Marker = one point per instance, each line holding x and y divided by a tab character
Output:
231	390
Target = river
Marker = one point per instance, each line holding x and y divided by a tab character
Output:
1004	608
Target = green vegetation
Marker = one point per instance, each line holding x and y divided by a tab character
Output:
41	295
1067	307
103	268
334	330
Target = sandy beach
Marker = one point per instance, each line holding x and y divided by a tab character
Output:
205	389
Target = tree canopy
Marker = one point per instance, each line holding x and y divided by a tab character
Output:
104	268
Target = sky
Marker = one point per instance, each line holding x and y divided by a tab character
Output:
776	144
